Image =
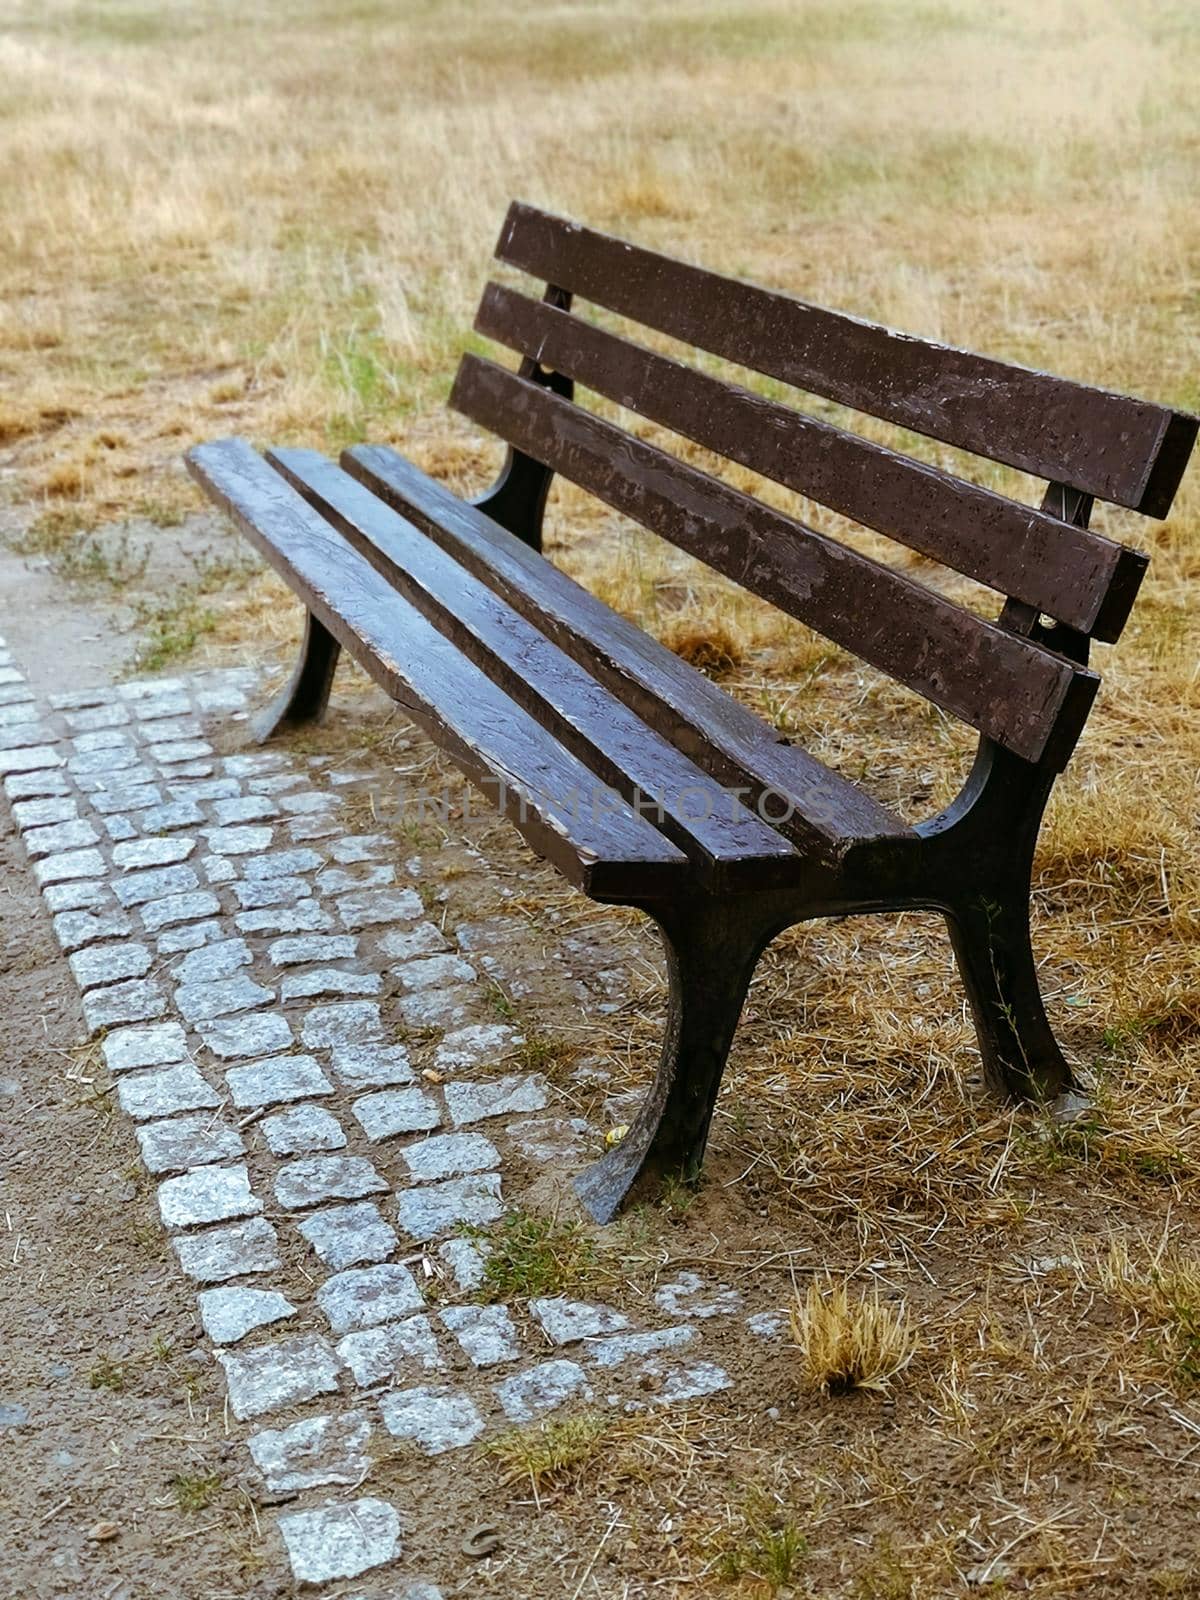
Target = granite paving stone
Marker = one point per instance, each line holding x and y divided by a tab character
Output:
109	963
433	972
75	929
203	789
375	906
337	880
349	1236
174	814
565	1321
542	1388
203	1002
165	730
282	864
480	1043
42	813
435	1418
302	1128
174	751
164	1091
406	944
543	1139
363	1297
58	837
103	739
158	1045
465	1261
130	799
435	1208
136	1000
242	808
275	1081
340	1539
312	947
314	1452
390	1350
189	936
494	1097
448	1155
352	1022
112	715
206	1194
312	1180
94	763
309	802
392	1111
229	1314
613	1350
486	1333
305	916
363	1065
359	847
156	884
327	980
22	735
31	758
439	1008
173	909
257	1033
119	829
233	1251
252	894
153	852
178	1143
689	1296
218	959
239	841
218	869
677	1384
83	893
36	785
279	1374
67	865
251	762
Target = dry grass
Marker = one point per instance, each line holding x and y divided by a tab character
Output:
850	1342
276	220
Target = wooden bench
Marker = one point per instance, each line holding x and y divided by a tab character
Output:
719	829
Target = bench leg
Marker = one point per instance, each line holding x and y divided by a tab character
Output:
711	957
306	694
1020	1054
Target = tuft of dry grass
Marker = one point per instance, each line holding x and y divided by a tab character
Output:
847	1342
550	1455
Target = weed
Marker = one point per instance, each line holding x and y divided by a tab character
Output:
173	627
551	1455
107	1374
540	1052
769	1554
195	1492
850	1344
532	1255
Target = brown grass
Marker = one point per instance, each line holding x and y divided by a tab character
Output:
276	220
850	1342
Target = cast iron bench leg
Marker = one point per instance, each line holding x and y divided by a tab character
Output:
712	950
1020	1054
306	694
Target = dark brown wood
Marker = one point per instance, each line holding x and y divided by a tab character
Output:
1119	449
521	768
1079	577
1010	689
828	813
734	848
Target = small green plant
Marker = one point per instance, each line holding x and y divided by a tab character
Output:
173	628
531	1255
551	1455
500	1003
107	1374
195	1492
770	1554
539	1052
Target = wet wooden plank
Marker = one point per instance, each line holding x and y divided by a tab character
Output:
1076	576
1009	688
516	763
1116	448
827	812
734	849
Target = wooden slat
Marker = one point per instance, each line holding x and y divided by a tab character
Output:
1119	449
497	745
1078	577
1010	689
734	848
828	812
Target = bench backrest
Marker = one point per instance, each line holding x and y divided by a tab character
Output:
1001	677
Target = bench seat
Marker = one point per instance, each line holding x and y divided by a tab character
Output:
465	627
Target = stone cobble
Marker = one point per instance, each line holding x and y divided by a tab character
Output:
315	1073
